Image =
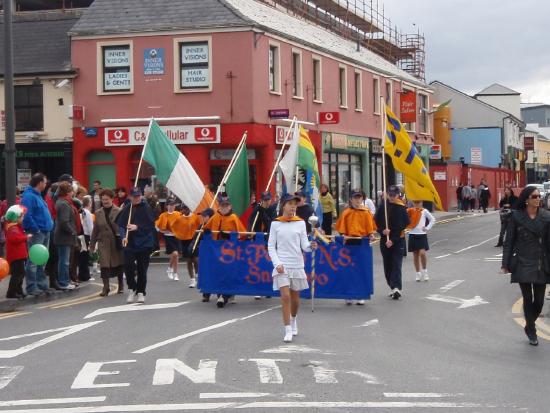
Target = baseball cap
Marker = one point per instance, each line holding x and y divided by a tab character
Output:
14	212
135	191
266	196
357	192
224	200
171	201
66	178
289	197
208	212
393	190
300	194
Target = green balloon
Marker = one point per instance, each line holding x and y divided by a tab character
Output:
38	254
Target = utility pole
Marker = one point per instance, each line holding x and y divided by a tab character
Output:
9	147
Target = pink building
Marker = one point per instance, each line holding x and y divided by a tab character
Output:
236	59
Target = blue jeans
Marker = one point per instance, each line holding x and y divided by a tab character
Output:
63	262
36	280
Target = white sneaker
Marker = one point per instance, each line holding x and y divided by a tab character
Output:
418	276
257	297
288	334
176	276
397	294
131	297
294	326
360	302
192	283
140	298
170	273
425	275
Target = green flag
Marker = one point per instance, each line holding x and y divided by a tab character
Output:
237	185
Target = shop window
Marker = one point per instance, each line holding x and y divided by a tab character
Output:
317	80
29	110
423	116
274	69
342	172
343	89
358	87
194	70
376	95
297	74
116	68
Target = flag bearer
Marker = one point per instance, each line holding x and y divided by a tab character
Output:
287	241
221	224
421	221
356	221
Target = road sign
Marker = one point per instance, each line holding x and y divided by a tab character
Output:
435	152
278	113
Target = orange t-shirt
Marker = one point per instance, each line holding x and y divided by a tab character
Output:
356	222
185	226
165	220
414	216
226	223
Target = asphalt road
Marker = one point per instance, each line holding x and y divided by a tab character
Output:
454	343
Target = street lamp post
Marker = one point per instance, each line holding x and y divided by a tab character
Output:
9	147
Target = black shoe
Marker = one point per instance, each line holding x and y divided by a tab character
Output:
396	295
205	298
498	245
534	340
221	302
532	336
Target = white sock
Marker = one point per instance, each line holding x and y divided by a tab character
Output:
294	325
288	334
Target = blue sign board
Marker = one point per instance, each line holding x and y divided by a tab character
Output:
278	113
90	132
153	61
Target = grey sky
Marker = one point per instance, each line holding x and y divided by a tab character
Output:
472	44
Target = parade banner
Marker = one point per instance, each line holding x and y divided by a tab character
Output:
243	267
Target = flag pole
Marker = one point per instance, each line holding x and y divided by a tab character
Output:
125	240
287	134
384	193
222	183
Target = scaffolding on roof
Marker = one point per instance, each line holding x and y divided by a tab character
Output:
364	22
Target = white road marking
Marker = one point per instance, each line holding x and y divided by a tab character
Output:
7	374
232	395
498	255
253	405
419	395
369	323
200	331
269	371
438	241
451	285
464	303
68	400
322	374
369	378
475	245
90	371
165	369
295	349
63	332
442	256
134	307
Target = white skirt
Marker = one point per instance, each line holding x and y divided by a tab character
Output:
294	278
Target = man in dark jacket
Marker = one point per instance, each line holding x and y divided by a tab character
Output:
136	222
262	214
304	209
392	242
484	195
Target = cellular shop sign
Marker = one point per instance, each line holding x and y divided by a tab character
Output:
179	134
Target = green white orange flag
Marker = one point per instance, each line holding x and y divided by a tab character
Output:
237	185
174	170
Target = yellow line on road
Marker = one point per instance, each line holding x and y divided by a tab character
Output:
540	325
13	314
83	301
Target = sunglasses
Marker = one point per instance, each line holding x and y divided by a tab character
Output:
534	196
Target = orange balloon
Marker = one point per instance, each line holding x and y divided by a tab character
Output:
4	268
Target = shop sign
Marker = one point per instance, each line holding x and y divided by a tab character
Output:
440	175
23	178
278	113
329	118
339	141
195	77
529	143
179	134
90	132
40	154
355	142
117	57
117	81
435	152
280	133
153	61
194	53
376	148
475	156
408	107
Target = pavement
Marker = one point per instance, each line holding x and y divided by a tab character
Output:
454	343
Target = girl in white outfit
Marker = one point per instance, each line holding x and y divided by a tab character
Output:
421	221
287	241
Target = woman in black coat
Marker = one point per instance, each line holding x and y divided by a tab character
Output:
526	255
506	204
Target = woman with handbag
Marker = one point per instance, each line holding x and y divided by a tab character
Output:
105	236
526	255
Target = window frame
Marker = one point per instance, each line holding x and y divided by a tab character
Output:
317	80
389	94
179	66
358	87
376	94
424	113
101	67
276	90
28	107
297	78
342	87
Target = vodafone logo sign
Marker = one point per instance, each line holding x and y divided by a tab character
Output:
327	118
119	136
205	134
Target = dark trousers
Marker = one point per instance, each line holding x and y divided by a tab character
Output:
393	260
51	265
327	223
533	300
136	263
15	287
84	262
503	225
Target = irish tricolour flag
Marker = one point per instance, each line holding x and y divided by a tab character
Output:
174	170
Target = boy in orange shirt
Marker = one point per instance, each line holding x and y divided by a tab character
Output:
356	221
184	229
223	222
164	224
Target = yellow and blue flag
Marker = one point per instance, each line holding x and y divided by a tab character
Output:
405	159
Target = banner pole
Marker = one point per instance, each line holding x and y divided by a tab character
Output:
384	193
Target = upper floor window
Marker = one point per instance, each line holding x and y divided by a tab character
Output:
343	89
389	94
195	65
297	74
116	68
274	69
423	115
29	110
317	76
376	95
358	86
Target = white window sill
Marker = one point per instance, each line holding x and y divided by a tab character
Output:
343	107
298	97
318	101
273	92
359	110
205	90
126	92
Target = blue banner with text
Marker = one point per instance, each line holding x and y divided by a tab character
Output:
243	267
